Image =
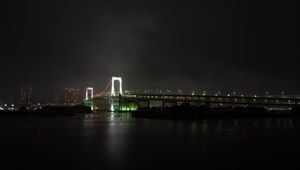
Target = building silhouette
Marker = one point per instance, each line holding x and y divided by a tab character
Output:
24	97
71	96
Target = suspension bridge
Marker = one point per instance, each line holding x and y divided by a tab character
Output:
117	100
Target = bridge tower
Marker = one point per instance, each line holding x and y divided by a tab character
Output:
89	94
114	100
89	90
113	92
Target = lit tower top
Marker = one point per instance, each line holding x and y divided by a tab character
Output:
89	90
113	92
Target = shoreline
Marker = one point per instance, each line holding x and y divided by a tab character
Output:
211	115
48	112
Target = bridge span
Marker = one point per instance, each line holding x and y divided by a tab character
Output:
132	102
210	100
120	101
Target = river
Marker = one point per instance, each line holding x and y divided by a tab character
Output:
118	141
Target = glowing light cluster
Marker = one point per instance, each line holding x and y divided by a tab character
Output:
128	107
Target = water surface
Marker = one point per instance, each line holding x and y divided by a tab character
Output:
117	141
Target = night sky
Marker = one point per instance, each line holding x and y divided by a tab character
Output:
250	46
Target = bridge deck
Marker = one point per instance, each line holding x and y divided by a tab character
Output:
246	100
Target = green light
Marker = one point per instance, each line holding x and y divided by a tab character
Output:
128	107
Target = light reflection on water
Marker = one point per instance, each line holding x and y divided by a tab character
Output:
118	141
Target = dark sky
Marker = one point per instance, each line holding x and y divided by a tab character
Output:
212	45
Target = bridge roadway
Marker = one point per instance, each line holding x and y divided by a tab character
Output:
207	99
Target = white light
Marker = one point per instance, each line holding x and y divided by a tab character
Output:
112	108
113	93
91	89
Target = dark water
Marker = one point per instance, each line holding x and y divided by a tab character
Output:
110	141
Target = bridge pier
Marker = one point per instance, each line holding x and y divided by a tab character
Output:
147	107
207	104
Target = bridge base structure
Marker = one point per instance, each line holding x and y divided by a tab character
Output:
98	103
111	103
128	105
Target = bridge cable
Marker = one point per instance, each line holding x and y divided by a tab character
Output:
104	90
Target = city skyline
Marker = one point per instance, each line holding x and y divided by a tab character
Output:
57	95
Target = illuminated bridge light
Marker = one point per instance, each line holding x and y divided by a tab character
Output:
113	92
131	99
89	90
129	107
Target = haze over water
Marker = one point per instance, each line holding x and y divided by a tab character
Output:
117	141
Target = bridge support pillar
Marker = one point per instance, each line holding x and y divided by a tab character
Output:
207	104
